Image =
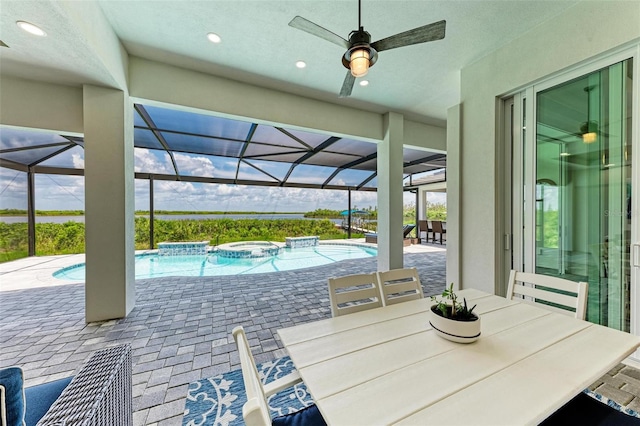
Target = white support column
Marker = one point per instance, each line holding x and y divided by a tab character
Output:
422	200
454	218
109	203
390	165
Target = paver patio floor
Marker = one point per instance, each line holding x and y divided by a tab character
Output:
180	328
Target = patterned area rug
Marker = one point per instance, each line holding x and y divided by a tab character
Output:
619	388
218	401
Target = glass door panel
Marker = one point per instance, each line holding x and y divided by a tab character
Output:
583	188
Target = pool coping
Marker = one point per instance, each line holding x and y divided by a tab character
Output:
222	269
37	271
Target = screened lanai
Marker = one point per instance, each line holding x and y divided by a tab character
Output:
167	142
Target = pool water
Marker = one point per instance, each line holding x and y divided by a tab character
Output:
154	266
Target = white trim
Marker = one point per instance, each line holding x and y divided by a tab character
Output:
618	54
3	405
526	181
529	190
517	189
586	67
635	198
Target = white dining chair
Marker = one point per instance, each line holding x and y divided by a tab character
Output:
354	293
399	285
255	411
549	292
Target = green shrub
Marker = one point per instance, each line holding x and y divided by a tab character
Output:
68	238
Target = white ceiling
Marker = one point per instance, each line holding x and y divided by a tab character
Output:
258	46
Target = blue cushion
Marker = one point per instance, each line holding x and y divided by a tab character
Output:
585	410
40	397
309	416
12	395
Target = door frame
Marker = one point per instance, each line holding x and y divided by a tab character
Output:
521	172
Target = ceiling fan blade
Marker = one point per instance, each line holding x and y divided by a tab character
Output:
418	35
347	85
314	29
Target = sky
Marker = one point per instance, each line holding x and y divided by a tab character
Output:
58	192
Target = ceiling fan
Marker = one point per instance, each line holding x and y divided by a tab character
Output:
361	54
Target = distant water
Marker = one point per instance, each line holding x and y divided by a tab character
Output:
63	219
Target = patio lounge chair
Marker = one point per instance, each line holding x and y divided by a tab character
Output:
99	394
406	229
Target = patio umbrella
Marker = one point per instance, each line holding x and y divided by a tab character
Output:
353	212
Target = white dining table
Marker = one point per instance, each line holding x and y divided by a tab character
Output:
387	366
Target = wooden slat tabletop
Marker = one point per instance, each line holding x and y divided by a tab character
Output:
387	366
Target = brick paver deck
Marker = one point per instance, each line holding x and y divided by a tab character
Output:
180	328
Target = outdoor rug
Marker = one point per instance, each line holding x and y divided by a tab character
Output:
218	401
619	388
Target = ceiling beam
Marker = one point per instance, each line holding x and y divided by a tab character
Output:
367	180
60	151
151	125
33	147
247	140
424	160
350	165
202	179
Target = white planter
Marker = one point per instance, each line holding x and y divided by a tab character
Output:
456	331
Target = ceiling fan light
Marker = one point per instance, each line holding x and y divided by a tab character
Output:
589	131
31	28
359	63
589	137
214	38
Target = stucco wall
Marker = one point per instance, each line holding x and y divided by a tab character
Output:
194	90
585	31
26	103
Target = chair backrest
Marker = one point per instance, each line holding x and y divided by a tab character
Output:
423	226
406	229
399	285
549	292
437	226
256	410
354	293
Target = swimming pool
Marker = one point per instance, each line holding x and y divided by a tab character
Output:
153	266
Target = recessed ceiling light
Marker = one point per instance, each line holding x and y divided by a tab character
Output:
214	38
301	64
31	29
564	154
364	83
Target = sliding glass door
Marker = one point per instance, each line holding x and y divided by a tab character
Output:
583	188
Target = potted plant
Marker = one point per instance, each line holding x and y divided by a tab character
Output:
453	320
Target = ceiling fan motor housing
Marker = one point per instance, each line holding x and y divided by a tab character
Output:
359	40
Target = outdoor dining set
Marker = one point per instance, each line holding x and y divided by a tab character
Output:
379	361
432	230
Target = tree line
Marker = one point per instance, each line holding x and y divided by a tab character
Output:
68	238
